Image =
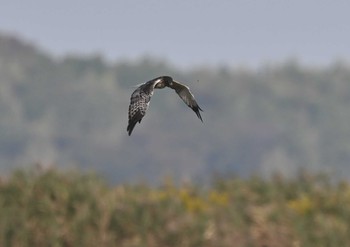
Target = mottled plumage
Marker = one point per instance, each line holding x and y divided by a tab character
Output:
141	97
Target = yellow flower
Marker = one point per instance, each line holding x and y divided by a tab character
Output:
302	205
192	203
159	195
219	198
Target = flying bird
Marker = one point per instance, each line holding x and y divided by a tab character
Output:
141	97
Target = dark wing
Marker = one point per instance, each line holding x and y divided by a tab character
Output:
185	94
139	102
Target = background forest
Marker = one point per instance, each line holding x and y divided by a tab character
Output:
72	111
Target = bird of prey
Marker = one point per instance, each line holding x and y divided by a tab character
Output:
141	97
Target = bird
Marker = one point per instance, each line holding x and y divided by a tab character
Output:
141	97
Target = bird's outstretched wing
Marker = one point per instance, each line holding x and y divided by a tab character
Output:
139	102
185	94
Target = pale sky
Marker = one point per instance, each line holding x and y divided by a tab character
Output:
246	32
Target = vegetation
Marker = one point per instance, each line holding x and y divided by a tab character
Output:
46	207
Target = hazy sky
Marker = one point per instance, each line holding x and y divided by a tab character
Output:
185	33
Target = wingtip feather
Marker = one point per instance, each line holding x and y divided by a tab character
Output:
199	116
133	121
130	127
197	110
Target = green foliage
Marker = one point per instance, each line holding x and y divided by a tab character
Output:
53	208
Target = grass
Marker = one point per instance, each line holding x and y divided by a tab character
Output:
56	208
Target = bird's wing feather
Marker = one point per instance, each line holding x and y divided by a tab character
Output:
185	94
139	102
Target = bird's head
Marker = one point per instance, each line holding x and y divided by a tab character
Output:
163	81
168	81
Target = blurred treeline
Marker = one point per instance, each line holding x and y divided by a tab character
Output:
46	207
73	110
